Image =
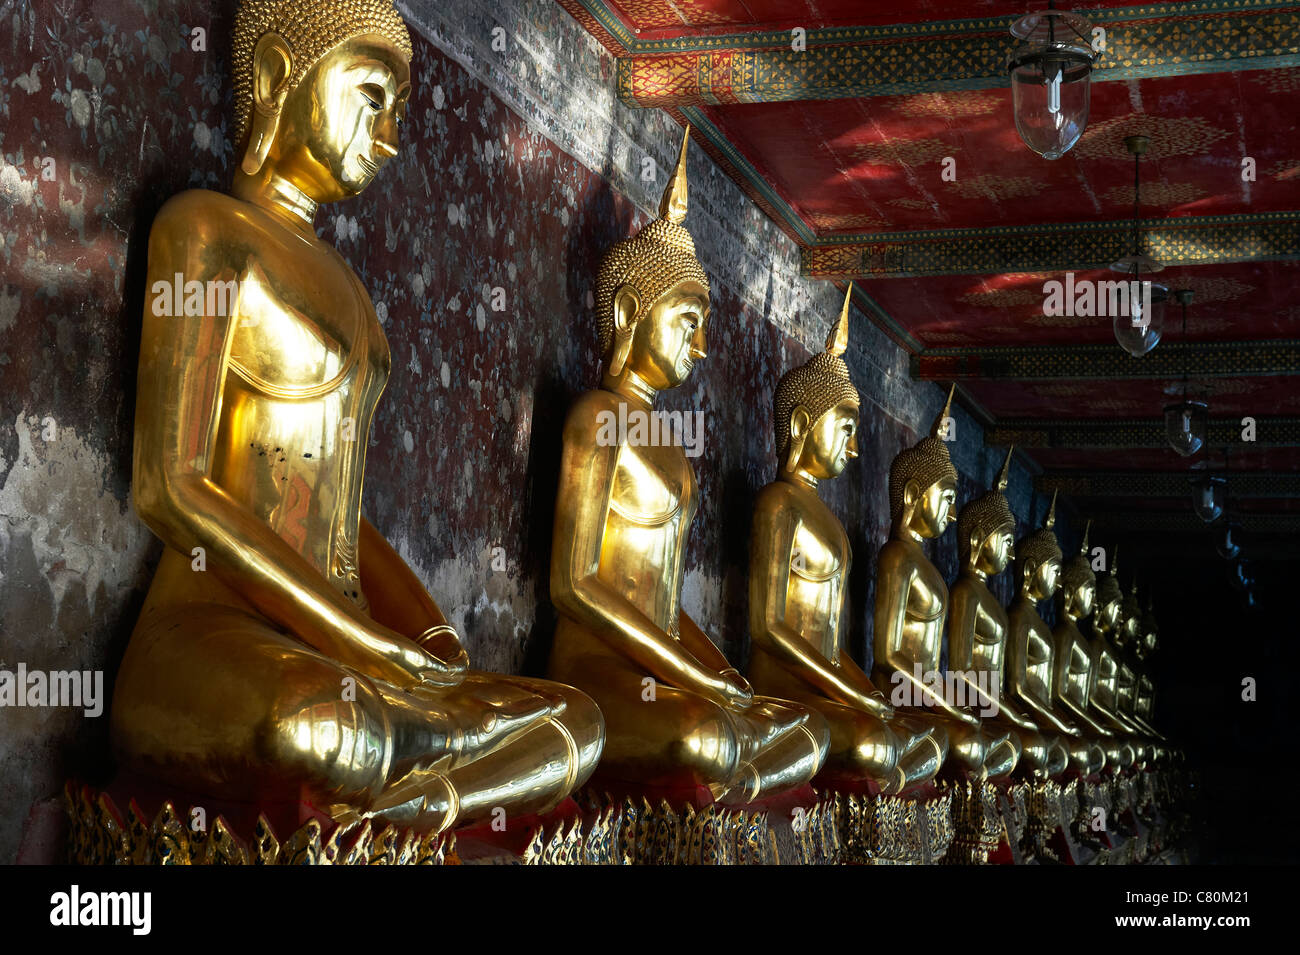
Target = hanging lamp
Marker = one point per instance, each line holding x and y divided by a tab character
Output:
1051	79
1187	423
1140	320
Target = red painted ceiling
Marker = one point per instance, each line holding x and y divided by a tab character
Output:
664	19
875	165
1254	300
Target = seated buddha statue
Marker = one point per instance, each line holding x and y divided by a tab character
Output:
677	713
798	575
979	628
1105	693
912	606
1145	689
285	651
1033	658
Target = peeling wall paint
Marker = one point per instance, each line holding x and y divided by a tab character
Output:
517	171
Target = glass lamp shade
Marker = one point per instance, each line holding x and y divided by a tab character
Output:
1186	426
1239	576
1139	319
1207	497
1226	544
1051	74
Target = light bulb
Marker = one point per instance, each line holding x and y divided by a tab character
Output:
1053	76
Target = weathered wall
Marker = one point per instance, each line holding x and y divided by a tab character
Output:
518	169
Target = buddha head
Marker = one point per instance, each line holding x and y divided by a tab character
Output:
986	528
320	91
652	296
923	482
1150	630
816	409
1109	597
1078	582
1129	633
1038	559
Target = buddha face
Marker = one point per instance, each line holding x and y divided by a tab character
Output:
670	338
997	550
832	441
1108	615
1081	598
933	509
1044	579
340	125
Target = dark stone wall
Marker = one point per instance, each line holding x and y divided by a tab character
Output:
513	175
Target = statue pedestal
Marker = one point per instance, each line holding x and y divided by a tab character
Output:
183	829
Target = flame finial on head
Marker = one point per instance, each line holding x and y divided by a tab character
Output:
1083	548
673	204
1001	484
939	429
837	342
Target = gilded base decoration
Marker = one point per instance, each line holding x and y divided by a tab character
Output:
889	830
978	827
640	833
100	834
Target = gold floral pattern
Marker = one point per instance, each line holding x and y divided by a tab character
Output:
907	152
1170	136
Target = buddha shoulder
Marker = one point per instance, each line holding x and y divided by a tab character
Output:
777	500
899	557
199	212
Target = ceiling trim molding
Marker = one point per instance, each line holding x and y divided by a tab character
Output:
1123	521
1176	484
900	59
1059	247
1244	359
1101	433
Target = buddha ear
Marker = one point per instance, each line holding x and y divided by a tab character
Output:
627	304
911	494
1031	570
800	421
272	68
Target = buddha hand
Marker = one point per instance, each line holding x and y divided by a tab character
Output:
443	643
737	691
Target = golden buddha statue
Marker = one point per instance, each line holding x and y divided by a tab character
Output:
798	575
285	651
912	605
677	713
979	628
1034	657
1143	700
1105	696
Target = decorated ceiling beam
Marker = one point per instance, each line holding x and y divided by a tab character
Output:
1247	484
1270	432
1065	247
1123	522
1165	39
1245	359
